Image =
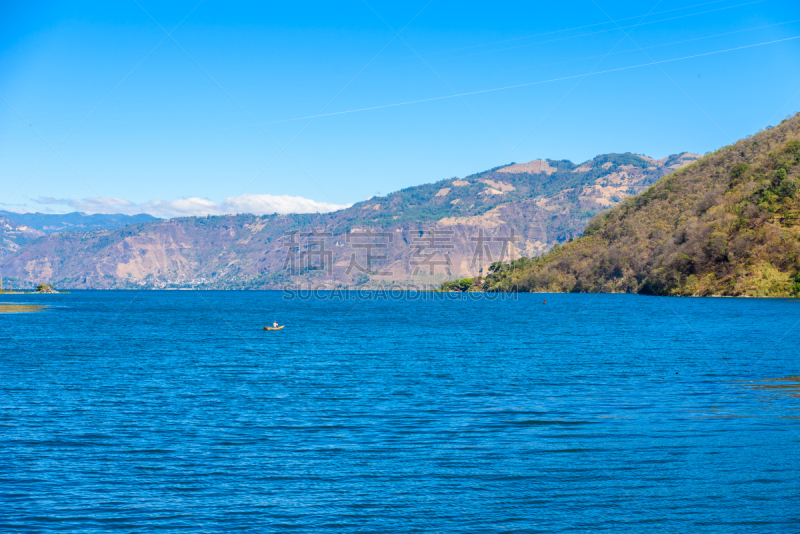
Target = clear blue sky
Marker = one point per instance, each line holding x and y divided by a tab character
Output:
142	118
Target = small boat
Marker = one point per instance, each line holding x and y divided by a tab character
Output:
273	328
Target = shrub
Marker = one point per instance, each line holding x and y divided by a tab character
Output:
788	187
458	285
738	170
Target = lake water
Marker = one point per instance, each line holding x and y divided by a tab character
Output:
170	411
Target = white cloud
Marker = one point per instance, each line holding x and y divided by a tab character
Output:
184	207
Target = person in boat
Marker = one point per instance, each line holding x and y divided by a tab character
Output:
275	324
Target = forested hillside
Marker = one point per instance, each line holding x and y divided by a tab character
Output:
728	224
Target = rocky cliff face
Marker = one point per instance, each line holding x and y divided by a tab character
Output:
421	235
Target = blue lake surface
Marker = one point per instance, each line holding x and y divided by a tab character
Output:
175	411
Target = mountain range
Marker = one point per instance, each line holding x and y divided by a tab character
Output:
49	223
729	224
452	228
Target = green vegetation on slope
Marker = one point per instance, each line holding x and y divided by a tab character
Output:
464	284
729	224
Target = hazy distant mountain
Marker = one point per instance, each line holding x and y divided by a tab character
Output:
75	222
13	235
727	225
539	203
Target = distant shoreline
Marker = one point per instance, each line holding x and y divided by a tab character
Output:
397	290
